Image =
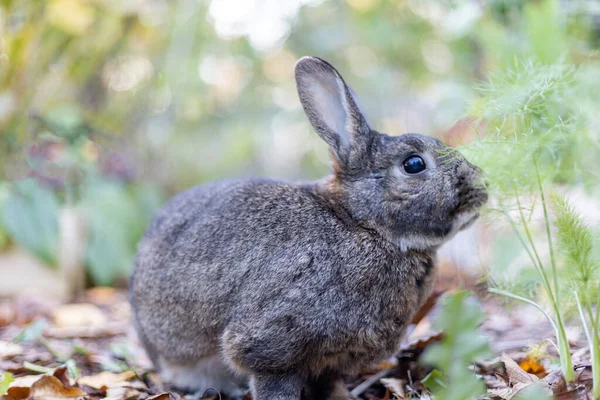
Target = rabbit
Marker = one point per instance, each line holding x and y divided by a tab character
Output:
287	288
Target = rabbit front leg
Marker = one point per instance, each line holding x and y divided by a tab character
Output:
276	386
326	386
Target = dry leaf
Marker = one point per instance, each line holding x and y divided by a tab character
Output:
427	306
105	379
518	379
82	315
516	373
421	343
161	396
25	381
503	393
121	393
16	393
8	349
109	329
103	295
49	387
62	374
395	386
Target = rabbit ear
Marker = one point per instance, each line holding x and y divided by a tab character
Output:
332	108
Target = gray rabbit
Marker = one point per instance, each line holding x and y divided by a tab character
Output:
288	287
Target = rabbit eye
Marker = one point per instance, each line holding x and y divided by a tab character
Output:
414	165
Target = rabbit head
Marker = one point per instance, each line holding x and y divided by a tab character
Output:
413	189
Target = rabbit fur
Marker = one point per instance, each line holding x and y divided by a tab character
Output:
288	287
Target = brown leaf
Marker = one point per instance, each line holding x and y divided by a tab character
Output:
394	385
102	295
556	381
515	373
426	307
8	349
90	391
7	314
421	343
108	329
16	393
105	379
503	393
49	387
82	315
161	396
62	374
25	381
121	393
387	395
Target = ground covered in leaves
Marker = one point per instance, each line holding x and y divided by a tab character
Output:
87	349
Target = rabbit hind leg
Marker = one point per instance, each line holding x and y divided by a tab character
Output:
202	376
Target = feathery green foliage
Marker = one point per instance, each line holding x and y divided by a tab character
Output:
581	270
575	241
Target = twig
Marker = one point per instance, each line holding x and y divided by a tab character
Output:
360	389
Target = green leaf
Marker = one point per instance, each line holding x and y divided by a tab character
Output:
5	380
30	216
32	332
37	368
117	219
459	319
72	368
434	381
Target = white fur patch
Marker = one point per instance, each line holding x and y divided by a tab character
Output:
461	221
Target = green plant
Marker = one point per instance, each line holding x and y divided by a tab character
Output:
30	216
537	134
5	380
582	272
459	319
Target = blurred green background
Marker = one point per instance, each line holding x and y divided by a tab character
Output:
108	107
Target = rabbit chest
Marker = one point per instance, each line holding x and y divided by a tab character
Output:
378	309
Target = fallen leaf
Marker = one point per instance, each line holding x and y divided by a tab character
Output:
108	329
503	393
516	374
16	393
393	385
25	381
62	374
556	381
121	393
105	379
8	349
161	396
7	314
421	343
50	387
387	395
427	306
93	391
518	379
82	315
103	295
